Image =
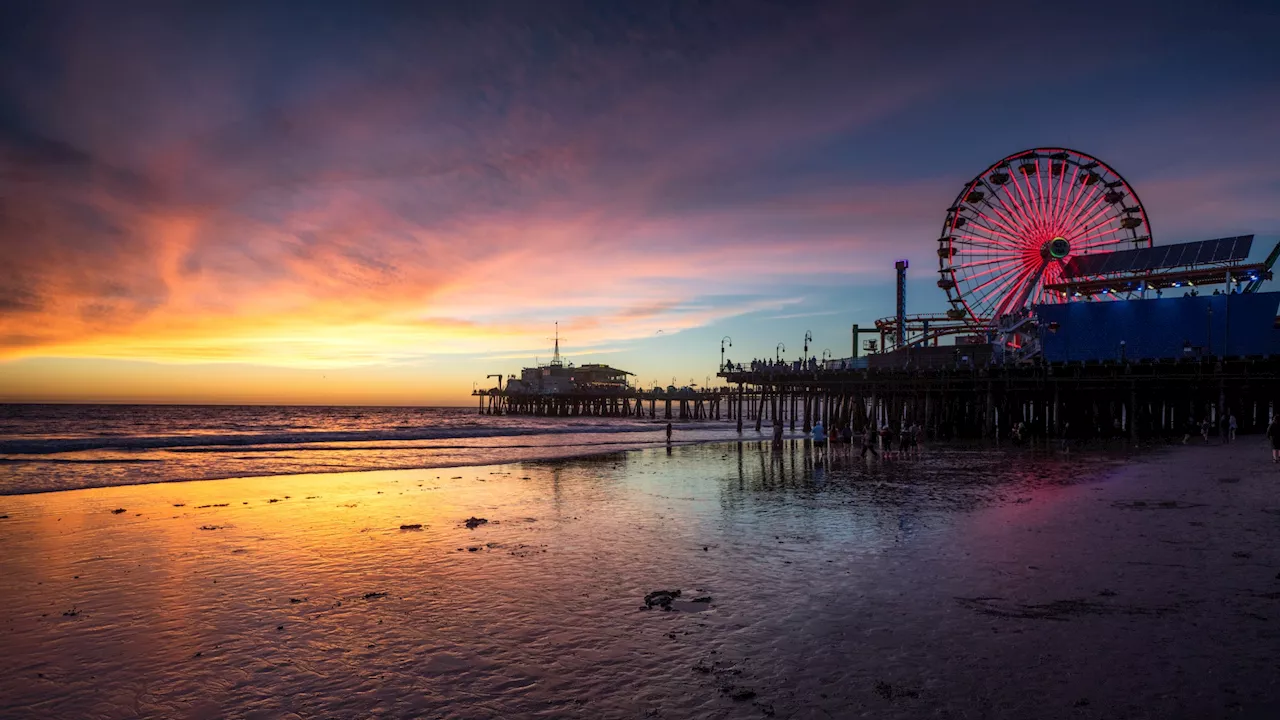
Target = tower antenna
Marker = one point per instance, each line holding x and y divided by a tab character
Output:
555	359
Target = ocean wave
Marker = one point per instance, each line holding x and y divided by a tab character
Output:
49	446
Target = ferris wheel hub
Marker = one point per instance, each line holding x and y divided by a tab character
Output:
1057	248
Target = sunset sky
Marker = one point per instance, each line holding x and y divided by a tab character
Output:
365	203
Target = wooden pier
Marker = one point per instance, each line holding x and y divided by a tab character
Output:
1138	400
712	404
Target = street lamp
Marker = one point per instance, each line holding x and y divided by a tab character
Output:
826	355
808	338
723	340
781	349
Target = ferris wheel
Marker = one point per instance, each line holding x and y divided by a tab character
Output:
1012	228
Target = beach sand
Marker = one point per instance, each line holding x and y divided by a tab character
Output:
966	584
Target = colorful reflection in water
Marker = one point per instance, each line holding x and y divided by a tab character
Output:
303	594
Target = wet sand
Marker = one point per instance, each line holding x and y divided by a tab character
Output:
966	584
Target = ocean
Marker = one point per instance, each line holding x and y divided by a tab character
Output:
63	447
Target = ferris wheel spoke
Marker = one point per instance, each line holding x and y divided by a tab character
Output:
977	230
998	219
1025	203
1064	192
1102	215
1058	199
1099	233
996	274
1015	224
974	290
1106	243
993	231
983	243
1016	211
1081	221
1038	198
1074	195
1010	292
997	269
1083	192
987	301
1041	198
982	263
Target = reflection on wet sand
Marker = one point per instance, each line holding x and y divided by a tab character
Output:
810	587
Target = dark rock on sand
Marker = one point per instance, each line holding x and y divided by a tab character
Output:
474	522
1241	555
889	692
210	527
703	599
297	600
661	598
374	595
415	526
118	511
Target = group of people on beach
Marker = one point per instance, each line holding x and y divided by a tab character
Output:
881	443
1205	426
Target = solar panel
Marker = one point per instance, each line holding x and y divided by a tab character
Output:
1222	251
1164	256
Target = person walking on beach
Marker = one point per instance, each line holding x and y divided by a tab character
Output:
777	434
819	436
1273	432
668	433
1231	427
1204	428
869	442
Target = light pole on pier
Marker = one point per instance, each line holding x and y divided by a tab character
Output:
723	340
808	338
826	355
781	349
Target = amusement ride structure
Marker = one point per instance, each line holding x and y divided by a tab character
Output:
1046	226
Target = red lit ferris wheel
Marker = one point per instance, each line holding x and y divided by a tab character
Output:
1012	228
